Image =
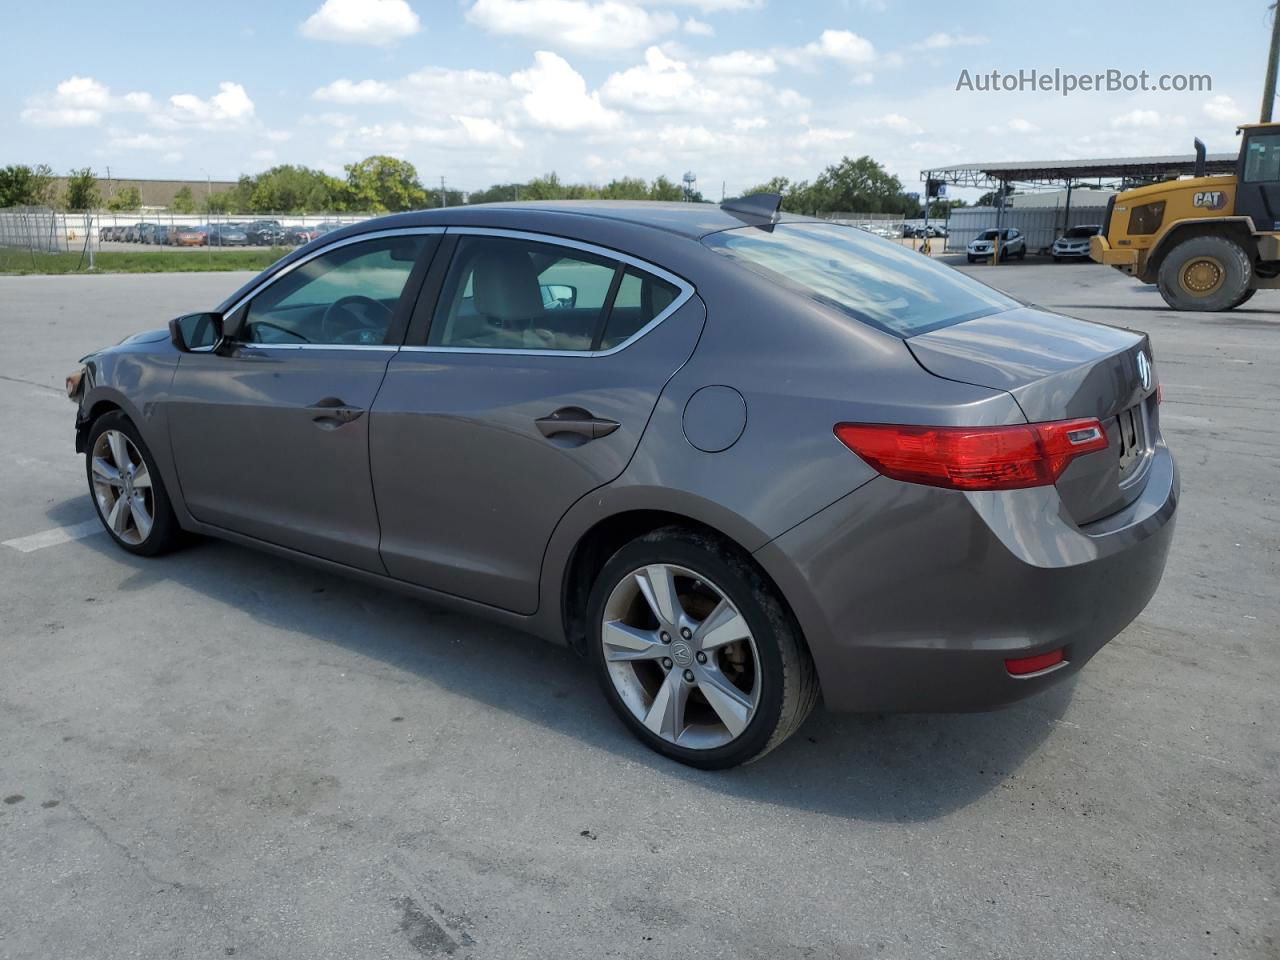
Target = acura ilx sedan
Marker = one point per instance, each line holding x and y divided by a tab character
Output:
737	460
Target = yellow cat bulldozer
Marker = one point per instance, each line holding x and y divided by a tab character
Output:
1208	243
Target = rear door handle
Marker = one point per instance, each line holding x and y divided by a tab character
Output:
575	420
333	412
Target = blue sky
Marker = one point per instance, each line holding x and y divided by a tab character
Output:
480	91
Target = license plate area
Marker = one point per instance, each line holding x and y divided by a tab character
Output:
1131	426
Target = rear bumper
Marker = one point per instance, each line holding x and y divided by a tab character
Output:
911	598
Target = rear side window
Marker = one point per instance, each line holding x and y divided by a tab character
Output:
876	281
512	294
641	297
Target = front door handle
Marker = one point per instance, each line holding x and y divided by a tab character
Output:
333	412
575	420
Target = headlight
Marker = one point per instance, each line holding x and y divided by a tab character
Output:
73	384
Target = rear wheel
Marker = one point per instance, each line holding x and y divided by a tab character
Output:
127	489
696	653
1205	273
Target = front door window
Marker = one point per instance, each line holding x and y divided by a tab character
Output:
345	297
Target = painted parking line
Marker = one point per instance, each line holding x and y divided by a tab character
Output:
51	538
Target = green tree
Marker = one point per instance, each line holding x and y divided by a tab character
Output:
82	190
663	188
288	189
128	198
861	186
625	188
499	193
381	183
183	201
23	186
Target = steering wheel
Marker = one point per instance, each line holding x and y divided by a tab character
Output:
359	328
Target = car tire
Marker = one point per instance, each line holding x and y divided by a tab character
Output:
1208	273
113	438
763	681
972	259
1022	254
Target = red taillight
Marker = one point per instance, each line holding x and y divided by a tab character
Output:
1024	665
974	458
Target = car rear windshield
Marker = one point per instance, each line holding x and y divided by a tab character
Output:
879	282
1076	233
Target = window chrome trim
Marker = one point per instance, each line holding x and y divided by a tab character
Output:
320	251
384	347
684	296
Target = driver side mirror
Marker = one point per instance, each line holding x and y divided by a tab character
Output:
197	332
559	296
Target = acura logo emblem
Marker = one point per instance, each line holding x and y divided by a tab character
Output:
1144	370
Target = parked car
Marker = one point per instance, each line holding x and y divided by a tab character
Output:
104	234
227	235
304	234
1012	244
1075	242
162	235
738	459
265	233
189	236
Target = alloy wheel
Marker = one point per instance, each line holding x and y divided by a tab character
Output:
122	487
681	656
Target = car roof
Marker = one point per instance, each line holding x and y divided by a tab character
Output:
692	220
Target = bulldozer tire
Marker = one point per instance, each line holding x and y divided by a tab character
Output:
1205	273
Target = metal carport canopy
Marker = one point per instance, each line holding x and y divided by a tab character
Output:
986	175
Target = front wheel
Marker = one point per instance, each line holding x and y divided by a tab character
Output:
1205	273
695	651
127	489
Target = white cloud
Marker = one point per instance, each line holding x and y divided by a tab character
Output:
579	25
744	124
396	138
345	91
80	102
742	63
664	84
435	90
1223	109
375	22
123	140
898	124
230	106
1020	125
944	41
822	137
842	45
709	6
1137	118
267	157
698	28
556	98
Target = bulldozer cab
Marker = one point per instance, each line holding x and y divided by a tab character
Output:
1258	176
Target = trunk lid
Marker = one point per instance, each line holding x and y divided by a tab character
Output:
1059	368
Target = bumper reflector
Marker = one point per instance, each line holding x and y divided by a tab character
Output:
1024	665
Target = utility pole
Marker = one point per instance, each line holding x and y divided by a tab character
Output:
1269	87
442	201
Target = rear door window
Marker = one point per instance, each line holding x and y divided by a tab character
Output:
507	293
